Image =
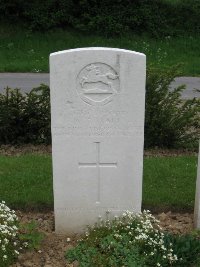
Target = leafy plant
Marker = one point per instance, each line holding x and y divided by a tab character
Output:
37	115
169	120
186	247
134	240
119	256
131	240
25	118
30	235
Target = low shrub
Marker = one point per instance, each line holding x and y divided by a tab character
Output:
25	118
133	240
169	121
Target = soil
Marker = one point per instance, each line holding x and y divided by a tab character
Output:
53	246
9	150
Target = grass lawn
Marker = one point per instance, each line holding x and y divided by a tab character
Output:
169	183
26	181
23	51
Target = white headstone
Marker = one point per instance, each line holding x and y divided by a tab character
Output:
97	109
197	197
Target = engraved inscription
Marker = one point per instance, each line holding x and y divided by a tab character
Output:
97	84
97	164
86	122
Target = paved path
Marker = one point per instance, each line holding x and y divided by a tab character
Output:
191	83
27	81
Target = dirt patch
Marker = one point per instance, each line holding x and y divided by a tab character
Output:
176	223
169	152
9	150
53	247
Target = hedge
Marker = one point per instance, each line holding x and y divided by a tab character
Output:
107	17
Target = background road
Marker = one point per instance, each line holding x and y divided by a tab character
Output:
27	81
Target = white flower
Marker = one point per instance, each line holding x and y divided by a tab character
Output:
5	257
16	252
8	231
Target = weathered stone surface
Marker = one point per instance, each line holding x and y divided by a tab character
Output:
97	108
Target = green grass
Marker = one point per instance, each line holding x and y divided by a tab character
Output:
169	183
23	51
26	181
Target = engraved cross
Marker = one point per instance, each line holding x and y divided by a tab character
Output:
98	165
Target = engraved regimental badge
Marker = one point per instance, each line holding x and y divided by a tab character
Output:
97	84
